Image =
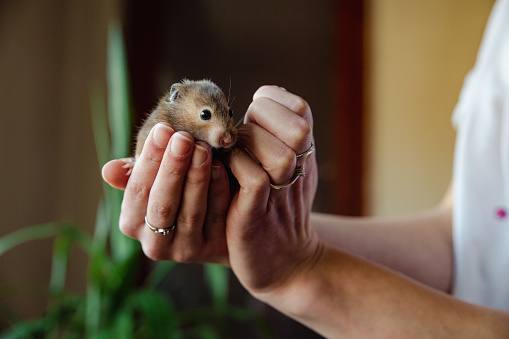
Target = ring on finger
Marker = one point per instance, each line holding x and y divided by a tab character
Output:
163	231
307	152
299	170
297	173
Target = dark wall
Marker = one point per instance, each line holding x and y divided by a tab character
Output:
241	45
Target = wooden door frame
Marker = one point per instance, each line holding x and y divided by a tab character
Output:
349	105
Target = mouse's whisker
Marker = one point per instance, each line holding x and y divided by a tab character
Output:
241	121
231	103
229	89
242	134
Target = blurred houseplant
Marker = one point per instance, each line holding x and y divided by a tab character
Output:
115	305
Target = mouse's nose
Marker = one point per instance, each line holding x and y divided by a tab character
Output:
227	140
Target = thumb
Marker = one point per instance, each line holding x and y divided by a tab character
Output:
117	172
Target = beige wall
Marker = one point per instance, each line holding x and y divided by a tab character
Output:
420	53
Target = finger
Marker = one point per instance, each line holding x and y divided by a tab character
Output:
117	172
189	237
254	190
291	128
166	192
276	158
217	208
293	102
142	178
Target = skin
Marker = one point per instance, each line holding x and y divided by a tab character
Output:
172	162
342	277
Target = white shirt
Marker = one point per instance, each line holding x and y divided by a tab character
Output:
481	172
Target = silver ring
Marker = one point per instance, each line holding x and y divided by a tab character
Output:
310	150
163	231
299	172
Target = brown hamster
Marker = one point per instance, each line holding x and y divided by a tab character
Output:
197	107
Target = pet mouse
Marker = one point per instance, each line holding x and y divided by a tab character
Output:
197	107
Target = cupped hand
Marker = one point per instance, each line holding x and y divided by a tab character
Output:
267	230
269	237
168	185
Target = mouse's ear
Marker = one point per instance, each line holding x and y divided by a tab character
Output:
174	94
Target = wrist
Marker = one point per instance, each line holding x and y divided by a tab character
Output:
296	293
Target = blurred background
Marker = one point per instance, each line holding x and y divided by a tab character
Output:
381	76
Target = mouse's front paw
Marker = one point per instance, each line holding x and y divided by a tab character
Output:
129	165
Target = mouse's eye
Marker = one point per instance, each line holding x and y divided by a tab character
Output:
230	112
205	115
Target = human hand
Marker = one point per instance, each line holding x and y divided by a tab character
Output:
268	232
169	185
278	126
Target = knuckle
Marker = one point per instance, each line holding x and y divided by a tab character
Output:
256	183
299	105
300	128
161	210
197	180
257	105
127	228
138	190
190	218
264	89
154	253
285	159
177	169
151	155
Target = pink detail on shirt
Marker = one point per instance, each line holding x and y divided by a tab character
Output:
501	213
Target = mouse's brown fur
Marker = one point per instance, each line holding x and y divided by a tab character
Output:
197	107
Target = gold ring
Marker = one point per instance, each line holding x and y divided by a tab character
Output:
310	150
163	231
299	172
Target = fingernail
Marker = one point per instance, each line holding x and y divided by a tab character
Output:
180	145
216	172
200	155
162	134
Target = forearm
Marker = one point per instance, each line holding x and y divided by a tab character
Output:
419	245
344	296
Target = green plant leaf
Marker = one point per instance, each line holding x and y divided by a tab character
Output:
23	235
98	257
206	331
114	305
119	117
61	249
59	314
123	325
42	231
118	89
121	276
122	246
216	277
160	319
26	329
93	311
